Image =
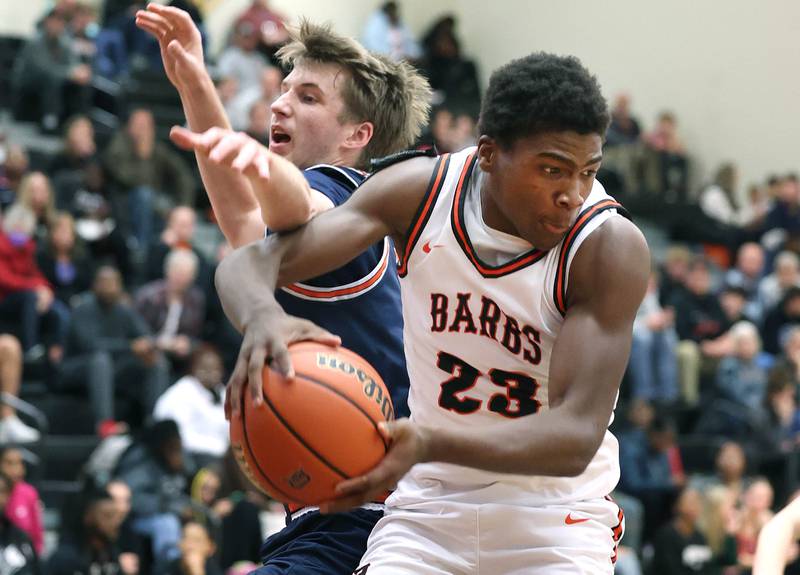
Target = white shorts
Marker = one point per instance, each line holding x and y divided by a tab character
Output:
448	538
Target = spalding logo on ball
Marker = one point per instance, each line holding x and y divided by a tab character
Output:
315	431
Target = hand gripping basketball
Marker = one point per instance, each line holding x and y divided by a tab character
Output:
266	339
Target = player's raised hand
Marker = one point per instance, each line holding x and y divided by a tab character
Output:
408	446
266	340
180	42
226	148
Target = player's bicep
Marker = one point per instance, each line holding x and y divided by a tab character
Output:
382	205
608	280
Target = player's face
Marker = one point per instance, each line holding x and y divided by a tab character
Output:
536	187
306	125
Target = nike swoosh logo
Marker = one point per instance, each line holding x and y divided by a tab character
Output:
427	247
570	521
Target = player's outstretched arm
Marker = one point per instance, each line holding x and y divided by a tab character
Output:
607	282
776	539
283	194
230	194
248	277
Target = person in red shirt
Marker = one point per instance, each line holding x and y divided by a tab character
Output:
26	298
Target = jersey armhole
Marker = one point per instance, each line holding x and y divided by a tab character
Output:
423	212
560	283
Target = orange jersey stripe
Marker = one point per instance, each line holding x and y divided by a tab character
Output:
421	217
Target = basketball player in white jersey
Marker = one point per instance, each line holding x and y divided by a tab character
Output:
520	281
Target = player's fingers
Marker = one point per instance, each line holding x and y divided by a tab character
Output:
350	487
255	370
208	139
282	360
238	377
223	152
386	431
246	156
156	31
176	16
183	138
154	19
262	165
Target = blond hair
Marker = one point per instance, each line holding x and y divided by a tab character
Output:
24	196
392	96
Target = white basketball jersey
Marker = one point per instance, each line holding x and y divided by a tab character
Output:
479	335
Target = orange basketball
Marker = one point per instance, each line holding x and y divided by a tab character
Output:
314	431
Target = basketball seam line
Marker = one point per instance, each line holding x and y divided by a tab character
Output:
350	401
302	442
255	459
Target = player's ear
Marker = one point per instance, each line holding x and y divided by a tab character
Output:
487	150
360	136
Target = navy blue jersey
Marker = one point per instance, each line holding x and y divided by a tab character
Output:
360	301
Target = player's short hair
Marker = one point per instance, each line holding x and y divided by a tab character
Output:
393	96
542	93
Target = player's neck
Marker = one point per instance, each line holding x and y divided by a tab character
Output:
492	216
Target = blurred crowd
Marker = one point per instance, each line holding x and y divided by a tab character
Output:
107	255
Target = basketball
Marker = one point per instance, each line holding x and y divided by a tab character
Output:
316	430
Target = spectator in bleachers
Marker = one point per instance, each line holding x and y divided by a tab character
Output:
195	402
241	528
78	149
239	104
259	122
674	270
719	523
385	33
12	429
742	377
780	319
90	546
179	234
23	507
778	438
151	176
269	24
63	261
789	360
83	30
241	61
130	544
673	163
453	78
197	552
36	193
49	71
730	466
653	365
651	469
698	317
786	274
174	308
26	299
12	171
680	548
156	471
748	273
16	549
785	212
755	513
109	348
718	200
624	128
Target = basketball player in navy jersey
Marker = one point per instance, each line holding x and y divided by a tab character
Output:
340	108
520	282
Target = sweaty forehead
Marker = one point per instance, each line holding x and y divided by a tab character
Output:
327	77
581	148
